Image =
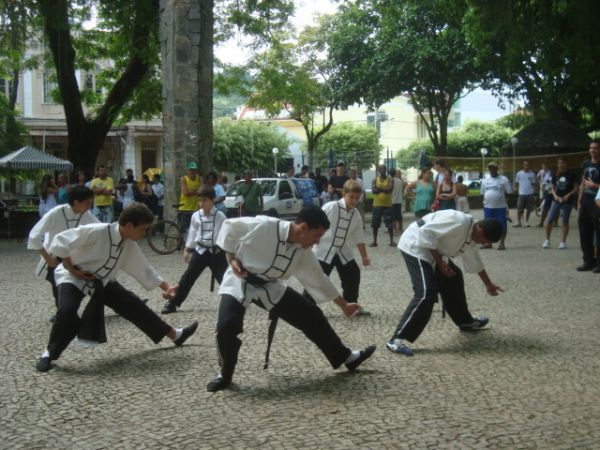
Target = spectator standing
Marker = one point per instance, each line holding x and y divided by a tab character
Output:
147	194
252	196
320	180
48	192
494	190
563	191
462	199
382	188
63	189
397	199
338	180
446	191
159	191
525	180
353	173
303	172
424	193
589	225
327	194
289	173
219	200
546	192
188	199
103	187
129	189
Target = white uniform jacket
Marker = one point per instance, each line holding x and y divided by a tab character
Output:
259	243
100	249
204	230
58	219
345	232
448	232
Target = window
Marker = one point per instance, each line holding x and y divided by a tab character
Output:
5	87
49	86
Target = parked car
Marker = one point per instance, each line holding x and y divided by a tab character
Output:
282	197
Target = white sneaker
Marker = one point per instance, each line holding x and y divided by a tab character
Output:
546	244
562	245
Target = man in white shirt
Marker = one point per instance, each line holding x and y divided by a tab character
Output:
263	252
92	256
201	250
525	180
427	246
61	218
494	189
335	247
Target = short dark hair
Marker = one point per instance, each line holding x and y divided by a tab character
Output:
595	141
80	194
136	214
492	229
207	192
211	174
313	216
460	178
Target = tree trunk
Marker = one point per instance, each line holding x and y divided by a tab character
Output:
186	41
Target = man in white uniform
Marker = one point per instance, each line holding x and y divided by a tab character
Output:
58	219
263	252
92	256
427	246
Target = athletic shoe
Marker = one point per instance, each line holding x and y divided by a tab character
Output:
363	312
546	244
399	346
44	364
477	324
517	225
218	384
501	247
562	245
585	268
186	333
363	356
373	244
170	307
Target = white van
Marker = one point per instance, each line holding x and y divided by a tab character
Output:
282	197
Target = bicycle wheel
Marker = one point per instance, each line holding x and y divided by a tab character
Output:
164	237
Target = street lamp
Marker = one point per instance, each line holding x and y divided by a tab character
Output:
483	153
275	151
514	140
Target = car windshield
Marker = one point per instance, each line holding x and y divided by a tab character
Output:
268	187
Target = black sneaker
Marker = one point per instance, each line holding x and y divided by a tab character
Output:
170	307
364	355
585	268
218	384
477	324
44	364
186	333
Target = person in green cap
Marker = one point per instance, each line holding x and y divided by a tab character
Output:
188	200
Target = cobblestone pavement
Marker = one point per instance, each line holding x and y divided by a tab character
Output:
528	381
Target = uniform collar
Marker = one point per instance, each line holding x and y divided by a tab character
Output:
212	212
115	234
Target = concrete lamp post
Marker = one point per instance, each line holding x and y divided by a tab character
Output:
275	151
484	152
513	141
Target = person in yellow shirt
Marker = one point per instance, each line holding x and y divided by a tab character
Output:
188	200
103	187
382	188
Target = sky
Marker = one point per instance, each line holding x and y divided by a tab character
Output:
478	105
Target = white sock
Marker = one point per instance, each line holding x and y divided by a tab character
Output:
46	354
355	354
178	332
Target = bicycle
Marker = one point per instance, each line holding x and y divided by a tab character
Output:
165	236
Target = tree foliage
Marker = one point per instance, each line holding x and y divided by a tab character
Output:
357	145
545	51
465	142
384	48
242	145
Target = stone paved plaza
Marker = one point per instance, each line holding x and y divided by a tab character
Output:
531	380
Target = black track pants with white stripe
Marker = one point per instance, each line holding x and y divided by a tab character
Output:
427	283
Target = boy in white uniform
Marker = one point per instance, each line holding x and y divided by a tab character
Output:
92	256
263	252
200	248
335	247
58	219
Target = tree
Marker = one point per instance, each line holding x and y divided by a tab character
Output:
293	78
544	51
243	145
465	142
357	145
384	48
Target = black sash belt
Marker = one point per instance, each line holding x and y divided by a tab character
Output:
257	281
91	326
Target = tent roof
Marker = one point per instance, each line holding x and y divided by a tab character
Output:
32	158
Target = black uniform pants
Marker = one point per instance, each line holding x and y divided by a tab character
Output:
217	263
349	276
294	309
50	279
122	301
589	229
427	283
